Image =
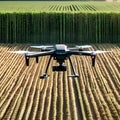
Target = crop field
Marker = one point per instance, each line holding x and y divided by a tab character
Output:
58	6
95	95
59	22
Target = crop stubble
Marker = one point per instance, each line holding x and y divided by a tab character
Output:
94	95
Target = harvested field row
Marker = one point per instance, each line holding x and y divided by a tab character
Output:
95	95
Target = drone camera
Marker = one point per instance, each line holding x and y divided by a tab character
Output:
80	49
59	68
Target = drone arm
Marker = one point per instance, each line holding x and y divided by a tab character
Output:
89	53
86	53
80	48
38	54
74	48
80	53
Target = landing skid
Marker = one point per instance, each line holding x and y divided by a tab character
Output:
74	76
44	76
61	67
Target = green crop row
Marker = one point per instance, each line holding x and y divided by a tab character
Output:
60	28
77	22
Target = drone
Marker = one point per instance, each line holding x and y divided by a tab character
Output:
60	53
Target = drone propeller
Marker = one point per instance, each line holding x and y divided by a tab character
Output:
93	56
98	52
24	53
93	52
21	52
80	48
43	47
83	46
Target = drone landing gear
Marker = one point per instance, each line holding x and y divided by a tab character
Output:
73	69
45	74
73	75
61	67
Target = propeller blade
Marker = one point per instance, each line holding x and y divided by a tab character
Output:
42	46
94	52
21	52
80	48
98	52
83	46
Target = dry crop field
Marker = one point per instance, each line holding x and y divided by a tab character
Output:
95	95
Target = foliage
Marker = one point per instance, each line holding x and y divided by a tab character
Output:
59	22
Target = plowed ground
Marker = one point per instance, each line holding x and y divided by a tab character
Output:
95	95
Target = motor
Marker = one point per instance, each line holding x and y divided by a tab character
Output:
27	60
93	60
37	60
